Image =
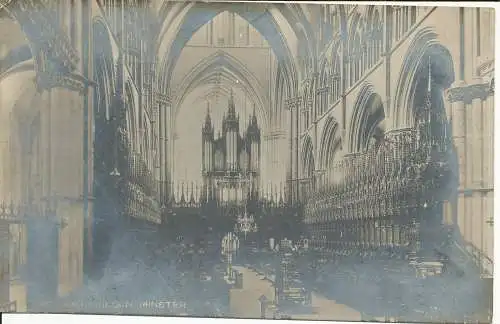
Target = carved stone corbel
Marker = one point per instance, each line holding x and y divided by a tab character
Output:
162	98
293	103
467	93
48	79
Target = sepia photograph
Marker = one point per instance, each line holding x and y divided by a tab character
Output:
247	159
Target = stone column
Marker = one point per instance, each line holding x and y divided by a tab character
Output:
62	144
469	168
448	204
458	138
315	116
274	155
162	103
281	157
291	105
170	138
487	177
476	161
296	151
472	135
161	163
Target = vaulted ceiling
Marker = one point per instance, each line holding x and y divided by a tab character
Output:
285	27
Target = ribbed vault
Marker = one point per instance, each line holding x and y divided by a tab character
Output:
283	27
222	66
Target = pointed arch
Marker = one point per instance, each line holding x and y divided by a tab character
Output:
324	80
269	20
103	75
334	57
280	95
104	72
425	46
299	16
223	64
355	19
29	49
355	46
368	113
307	157
330	143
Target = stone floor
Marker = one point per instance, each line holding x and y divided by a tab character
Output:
244	302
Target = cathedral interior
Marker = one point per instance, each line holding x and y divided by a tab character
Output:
367	130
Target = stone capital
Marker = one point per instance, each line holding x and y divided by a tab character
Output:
485	65
335	77
467	93
72	81
305	110
163	99
322	90
293	103
276	134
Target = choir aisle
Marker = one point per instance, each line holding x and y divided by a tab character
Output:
244	303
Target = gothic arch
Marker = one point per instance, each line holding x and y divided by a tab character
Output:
104	72
223	64
368	113
334	58
20	105
425	47
104	139
375	34
330	143
307	157
280	95
324	81
356	47
29	49
338	21
298	16
19	109
269	20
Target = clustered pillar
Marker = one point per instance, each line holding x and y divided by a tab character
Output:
472	132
